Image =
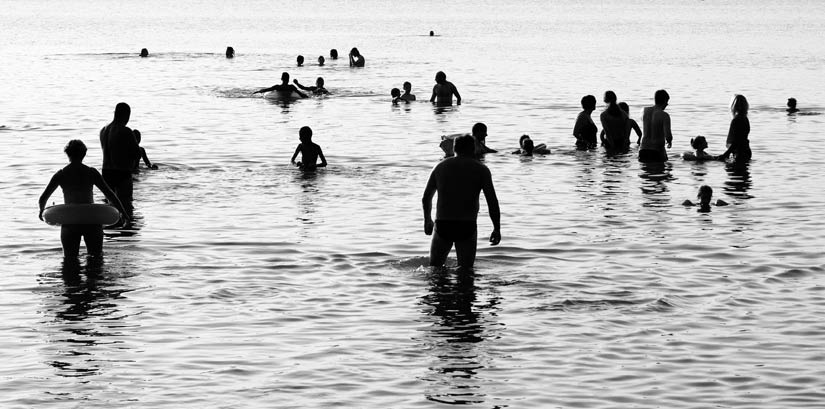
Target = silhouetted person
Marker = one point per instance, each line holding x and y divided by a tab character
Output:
230	52
355	58
527	147
443	91
614	125
479	133
310	151
585	130
792	106
458	181
318	89
395	93
699	144
321	60
300	60
656	124
432	33
333	53
284	89
705	195
142	155
120	148
407	96
144	52
76	181
738	142
632	126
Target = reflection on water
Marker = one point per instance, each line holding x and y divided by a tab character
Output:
307	197
458	335
739	180
655	176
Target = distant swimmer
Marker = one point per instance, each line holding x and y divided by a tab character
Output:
528	148
792	106
355	58
740	127
300	60
443	91
230	52
585	130
284	89
318	89
144	52
395	93
432	33
699	143
407	96
705	195
310	151
632	125
76	181
142	155
614	125
656	133
321	60
333	53
459	181
120	148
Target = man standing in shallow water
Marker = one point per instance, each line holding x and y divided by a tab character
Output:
443	91
120	148
458	181
656	125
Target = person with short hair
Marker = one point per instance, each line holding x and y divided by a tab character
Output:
443	91
656	130
407	95
584	129
333	53
705	195
310	151
144	52
300	60
284	89
76	180
318	89
792	106
321	60
120	148
458	181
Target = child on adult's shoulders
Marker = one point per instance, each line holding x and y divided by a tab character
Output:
705	195
699	143
528	148
310	151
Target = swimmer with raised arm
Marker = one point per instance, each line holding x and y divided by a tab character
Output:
459	181
705	195
76	180
310	152
443	91
284	89
318	89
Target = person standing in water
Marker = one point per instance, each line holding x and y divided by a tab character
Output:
443	91
585	130
284	89
614	125
310	152
120	148
355	58
656	130
458	181
408	96
76	181
740	127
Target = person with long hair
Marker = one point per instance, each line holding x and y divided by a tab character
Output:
614	125
738	142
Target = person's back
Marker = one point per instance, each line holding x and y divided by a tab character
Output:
119	147
76	181
443	91
459	183
656	134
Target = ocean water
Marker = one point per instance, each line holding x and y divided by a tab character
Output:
243	283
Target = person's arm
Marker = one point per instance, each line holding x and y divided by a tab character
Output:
427	203
668	134
432	98
261	91
492	207
457	96
299	92
107	191
577	127
734	142
301	86
323	159
146	159
295	155
50	188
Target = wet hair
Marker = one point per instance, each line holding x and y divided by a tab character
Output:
144	52
705	190
432	33
739	105
698	141
480	130
333	53
792	102
464	144
395	92
610	99
624	107
300	60
122	112
588	102
661	97
75	150
320	60
440	77
528	145
230	52
354	51
305	132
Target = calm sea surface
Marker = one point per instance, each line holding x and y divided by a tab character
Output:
246	284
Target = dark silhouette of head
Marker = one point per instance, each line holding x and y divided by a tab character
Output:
305	134
285	78
230	52
122	113
480	131
137	135
527	146
300	60
589	103
661	97
320	60
407	86
522	139
792	103
624	107
464	145
432	33
739	105
610	99
144	52
319	82
354	52
704	196
333	53
75	150
440	77
699	142
395	92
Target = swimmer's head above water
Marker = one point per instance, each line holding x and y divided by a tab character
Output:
305	134
588	103
333	53
144	52
440	77
285	77
320	60
699	143
75	150
230	52
300	60
464	145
